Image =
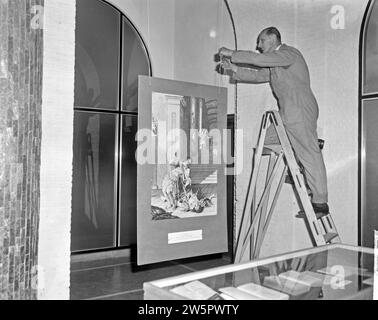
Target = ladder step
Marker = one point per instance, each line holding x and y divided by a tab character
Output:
268	148
328	237
320	215
301	214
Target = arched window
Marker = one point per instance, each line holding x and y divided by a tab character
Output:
110	54
369	126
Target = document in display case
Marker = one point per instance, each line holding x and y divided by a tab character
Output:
331	272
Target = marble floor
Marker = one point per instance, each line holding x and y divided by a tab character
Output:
119	278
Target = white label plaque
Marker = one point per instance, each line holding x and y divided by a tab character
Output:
186	236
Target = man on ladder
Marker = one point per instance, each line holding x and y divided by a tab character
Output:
286	70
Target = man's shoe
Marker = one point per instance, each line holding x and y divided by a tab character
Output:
321	209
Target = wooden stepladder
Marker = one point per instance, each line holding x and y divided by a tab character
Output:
258	212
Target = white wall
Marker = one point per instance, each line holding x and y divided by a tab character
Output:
182	38
155	22
56	150
201	28
332	56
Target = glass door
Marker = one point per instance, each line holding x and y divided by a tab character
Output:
110	55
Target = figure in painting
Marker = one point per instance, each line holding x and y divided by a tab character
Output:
175	182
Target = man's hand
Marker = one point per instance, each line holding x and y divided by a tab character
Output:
225	52
226	65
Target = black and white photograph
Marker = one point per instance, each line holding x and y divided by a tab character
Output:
204	150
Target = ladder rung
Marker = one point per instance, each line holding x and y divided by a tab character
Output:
328	237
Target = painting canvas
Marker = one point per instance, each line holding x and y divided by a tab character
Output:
181	170
186	185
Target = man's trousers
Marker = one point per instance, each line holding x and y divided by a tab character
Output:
304	140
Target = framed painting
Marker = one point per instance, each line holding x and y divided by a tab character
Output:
181	185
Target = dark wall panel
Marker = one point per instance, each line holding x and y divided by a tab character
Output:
93	190
369	171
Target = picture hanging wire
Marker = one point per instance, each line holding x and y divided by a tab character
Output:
236	48
235	102
148	30
218	77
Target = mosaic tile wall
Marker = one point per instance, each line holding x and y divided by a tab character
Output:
21	52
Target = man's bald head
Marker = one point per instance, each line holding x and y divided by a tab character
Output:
268	40
272	31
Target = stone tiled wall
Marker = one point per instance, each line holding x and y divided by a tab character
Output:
21	53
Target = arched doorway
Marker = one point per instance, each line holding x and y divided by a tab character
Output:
368	218
110	54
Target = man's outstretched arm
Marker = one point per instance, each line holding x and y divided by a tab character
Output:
251	75
246	74
279	58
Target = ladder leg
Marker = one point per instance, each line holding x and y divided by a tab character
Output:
264	207
252	214
248	211
252	238
270	214
251	190
241	248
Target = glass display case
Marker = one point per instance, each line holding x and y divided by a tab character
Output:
329	272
